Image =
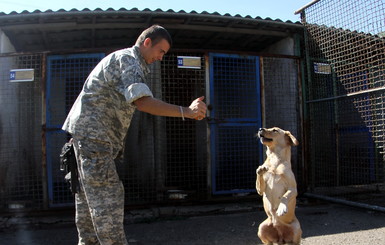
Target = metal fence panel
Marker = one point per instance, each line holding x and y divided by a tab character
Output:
169	161
282	106
234	120
186	149
345	98
66	75
21	175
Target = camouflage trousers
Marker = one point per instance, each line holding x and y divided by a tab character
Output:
100	201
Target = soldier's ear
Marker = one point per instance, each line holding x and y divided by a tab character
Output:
147	42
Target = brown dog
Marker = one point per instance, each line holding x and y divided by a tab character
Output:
276	183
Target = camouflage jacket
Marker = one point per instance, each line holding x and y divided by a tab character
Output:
104	107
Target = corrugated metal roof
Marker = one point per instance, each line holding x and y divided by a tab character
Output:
86	29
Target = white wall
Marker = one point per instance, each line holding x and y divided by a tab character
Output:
5	45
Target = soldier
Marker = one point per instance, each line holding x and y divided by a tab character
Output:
98	122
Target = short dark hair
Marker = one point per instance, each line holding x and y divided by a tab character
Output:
156	33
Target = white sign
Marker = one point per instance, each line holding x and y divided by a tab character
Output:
322	68
189	62
22	75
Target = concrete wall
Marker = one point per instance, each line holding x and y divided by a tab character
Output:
5	45
284	47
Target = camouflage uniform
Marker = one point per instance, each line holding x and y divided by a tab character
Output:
98	122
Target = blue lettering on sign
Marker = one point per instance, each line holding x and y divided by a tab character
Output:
12	75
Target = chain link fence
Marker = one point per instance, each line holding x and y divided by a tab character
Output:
345	98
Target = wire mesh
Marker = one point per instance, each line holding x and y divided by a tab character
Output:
186	149
235	119
282	93
165	158
237	157
20	168
282	104
66	75
139	167
345	97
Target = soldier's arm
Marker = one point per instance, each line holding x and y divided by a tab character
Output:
151	105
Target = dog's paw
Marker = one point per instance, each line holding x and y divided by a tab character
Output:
282	209
261	170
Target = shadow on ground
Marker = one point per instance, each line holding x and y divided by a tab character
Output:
225	224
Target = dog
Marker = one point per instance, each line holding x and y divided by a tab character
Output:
276	183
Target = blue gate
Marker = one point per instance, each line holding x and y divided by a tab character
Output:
65	78
235	118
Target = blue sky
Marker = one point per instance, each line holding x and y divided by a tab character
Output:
274	9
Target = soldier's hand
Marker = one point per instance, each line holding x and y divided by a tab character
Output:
198	109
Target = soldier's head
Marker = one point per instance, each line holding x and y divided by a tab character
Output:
154	43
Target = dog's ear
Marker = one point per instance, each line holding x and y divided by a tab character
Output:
291	139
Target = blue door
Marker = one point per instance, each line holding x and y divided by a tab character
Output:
235	118
65	78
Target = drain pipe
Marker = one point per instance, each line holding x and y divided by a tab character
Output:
345	202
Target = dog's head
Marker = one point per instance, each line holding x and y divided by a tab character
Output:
276	137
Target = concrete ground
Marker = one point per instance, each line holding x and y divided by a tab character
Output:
224	224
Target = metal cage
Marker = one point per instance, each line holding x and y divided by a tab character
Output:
165	160
345	100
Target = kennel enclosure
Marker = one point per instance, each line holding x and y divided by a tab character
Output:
344	100
165	160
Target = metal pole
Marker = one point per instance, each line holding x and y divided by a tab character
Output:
345	202
43	135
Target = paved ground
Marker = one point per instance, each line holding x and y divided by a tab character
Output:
224	224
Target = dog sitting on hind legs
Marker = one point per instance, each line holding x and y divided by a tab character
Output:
277	184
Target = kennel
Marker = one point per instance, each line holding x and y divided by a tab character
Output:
166	160
345	89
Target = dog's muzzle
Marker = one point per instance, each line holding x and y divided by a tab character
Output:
261	131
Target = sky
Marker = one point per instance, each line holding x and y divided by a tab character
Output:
274	9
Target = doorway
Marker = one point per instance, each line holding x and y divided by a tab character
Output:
65	78
235	117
